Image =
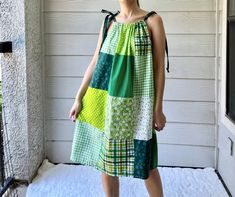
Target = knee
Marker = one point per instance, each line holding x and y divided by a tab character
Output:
153	172
109	177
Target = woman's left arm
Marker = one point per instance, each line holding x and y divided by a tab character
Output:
158	50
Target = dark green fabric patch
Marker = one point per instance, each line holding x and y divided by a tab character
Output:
121	83
154	152
145	157
101	75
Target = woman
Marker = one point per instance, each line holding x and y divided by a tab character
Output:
128	65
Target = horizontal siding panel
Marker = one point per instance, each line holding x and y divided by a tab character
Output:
60	129
176	111
189	156
180	5
191	112
69	66
194	90
173	155
192	67
187	134
191	45
69	90
70	44
163	5
180	67
59	108
174	22
179	45
173	133
189	22
80	5
72	22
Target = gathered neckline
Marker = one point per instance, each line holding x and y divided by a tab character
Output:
131	23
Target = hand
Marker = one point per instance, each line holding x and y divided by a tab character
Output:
76	108
159	120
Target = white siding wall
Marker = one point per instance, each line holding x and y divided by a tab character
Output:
71	32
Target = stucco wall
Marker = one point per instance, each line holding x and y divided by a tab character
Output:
22	84
34	81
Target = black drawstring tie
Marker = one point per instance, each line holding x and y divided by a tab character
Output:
167	67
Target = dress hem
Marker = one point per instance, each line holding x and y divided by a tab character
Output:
85	163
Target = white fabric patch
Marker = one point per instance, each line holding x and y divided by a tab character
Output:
143	116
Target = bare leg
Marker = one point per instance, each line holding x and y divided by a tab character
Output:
154	184
110	185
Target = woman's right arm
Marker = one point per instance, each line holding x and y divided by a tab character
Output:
88	73
86	79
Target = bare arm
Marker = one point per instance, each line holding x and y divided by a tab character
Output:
158	40
88	73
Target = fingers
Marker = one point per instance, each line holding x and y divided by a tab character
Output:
159	127
73	118
75	115
72	115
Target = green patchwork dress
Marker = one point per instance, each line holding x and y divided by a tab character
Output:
114	131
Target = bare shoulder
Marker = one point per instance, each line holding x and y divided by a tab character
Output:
155	24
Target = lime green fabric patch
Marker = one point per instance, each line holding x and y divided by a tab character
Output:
126	42
93	107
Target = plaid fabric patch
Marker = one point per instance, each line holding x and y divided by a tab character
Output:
142	40
117	157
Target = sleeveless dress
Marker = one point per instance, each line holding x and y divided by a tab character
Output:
114	131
